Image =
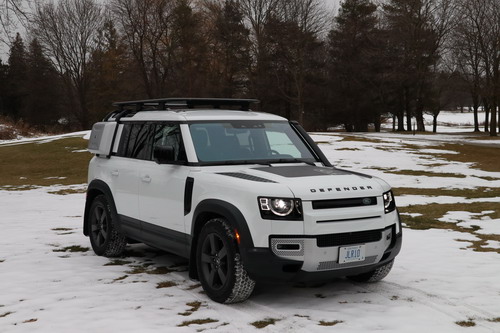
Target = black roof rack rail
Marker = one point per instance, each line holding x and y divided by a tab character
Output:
190	103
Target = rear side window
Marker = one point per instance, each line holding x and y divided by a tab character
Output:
136	141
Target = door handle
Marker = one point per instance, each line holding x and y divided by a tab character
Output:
146	179
114	173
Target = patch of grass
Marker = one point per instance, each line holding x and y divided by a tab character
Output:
330	323
140	269
166	284
194	286
5	314
265	322
466	323
426	173
431	212
120	278
198	322
361	139
478	192
73	248
61	229
117	262
32	163
68	191
1	261
320	295
484	158
494	320
348	149
194	306
302	316
30	320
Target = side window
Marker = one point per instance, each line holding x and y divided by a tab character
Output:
170	135
135	141
122	147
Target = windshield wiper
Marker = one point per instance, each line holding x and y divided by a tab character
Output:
293	160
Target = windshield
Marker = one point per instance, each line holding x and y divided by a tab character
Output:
248	142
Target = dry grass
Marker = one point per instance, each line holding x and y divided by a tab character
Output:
469	193
330	323
34	164
484	158
425	173
466	323
73	248
263	323
198	322
194	306
166	284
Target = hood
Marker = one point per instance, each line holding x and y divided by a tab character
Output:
318	183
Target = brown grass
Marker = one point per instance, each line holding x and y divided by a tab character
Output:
194	306
484	158
263	323
73	248
466	323
330	323
166	284
32	163
198	322
469	193
426	173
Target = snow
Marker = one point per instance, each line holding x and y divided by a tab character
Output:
436	280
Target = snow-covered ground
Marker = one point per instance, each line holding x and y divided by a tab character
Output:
436	281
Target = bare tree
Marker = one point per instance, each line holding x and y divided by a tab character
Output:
12	14
147	26
68	34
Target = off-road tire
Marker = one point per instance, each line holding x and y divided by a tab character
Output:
104	237
217	251
375	275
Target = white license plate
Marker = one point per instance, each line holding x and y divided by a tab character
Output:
351	254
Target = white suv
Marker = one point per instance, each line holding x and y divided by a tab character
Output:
245	196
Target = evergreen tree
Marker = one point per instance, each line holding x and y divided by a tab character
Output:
16	79
354	66
43	85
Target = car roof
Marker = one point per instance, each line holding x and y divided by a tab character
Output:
201	115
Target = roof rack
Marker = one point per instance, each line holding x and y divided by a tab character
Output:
190	103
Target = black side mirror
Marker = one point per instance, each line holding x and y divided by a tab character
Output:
164	154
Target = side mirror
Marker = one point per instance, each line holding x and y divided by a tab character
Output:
164	154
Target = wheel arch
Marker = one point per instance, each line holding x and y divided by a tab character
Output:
97	187
212	208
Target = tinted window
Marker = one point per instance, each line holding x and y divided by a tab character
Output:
135	141
170	135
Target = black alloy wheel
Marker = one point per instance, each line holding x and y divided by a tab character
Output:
214	261
105	239
99	225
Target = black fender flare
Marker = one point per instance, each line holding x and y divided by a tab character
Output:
95	188
210	208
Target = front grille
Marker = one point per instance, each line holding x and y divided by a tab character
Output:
344	203
349	238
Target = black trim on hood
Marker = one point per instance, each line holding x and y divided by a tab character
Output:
302	171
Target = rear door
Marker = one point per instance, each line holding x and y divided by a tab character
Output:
161	193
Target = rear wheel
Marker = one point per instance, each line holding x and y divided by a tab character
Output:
104	237
220	268
375	275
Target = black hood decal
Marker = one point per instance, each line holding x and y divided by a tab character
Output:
303	171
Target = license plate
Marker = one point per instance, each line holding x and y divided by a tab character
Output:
351	254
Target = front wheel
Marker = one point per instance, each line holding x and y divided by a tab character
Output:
220	268
104	238
375	275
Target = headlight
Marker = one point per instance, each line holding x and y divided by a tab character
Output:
389	203
280	208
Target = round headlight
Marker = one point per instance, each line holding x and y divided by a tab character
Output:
282	207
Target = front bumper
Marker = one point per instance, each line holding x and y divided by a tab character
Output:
263	265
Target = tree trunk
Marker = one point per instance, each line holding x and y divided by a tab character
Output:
493	123
476	118
434	123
